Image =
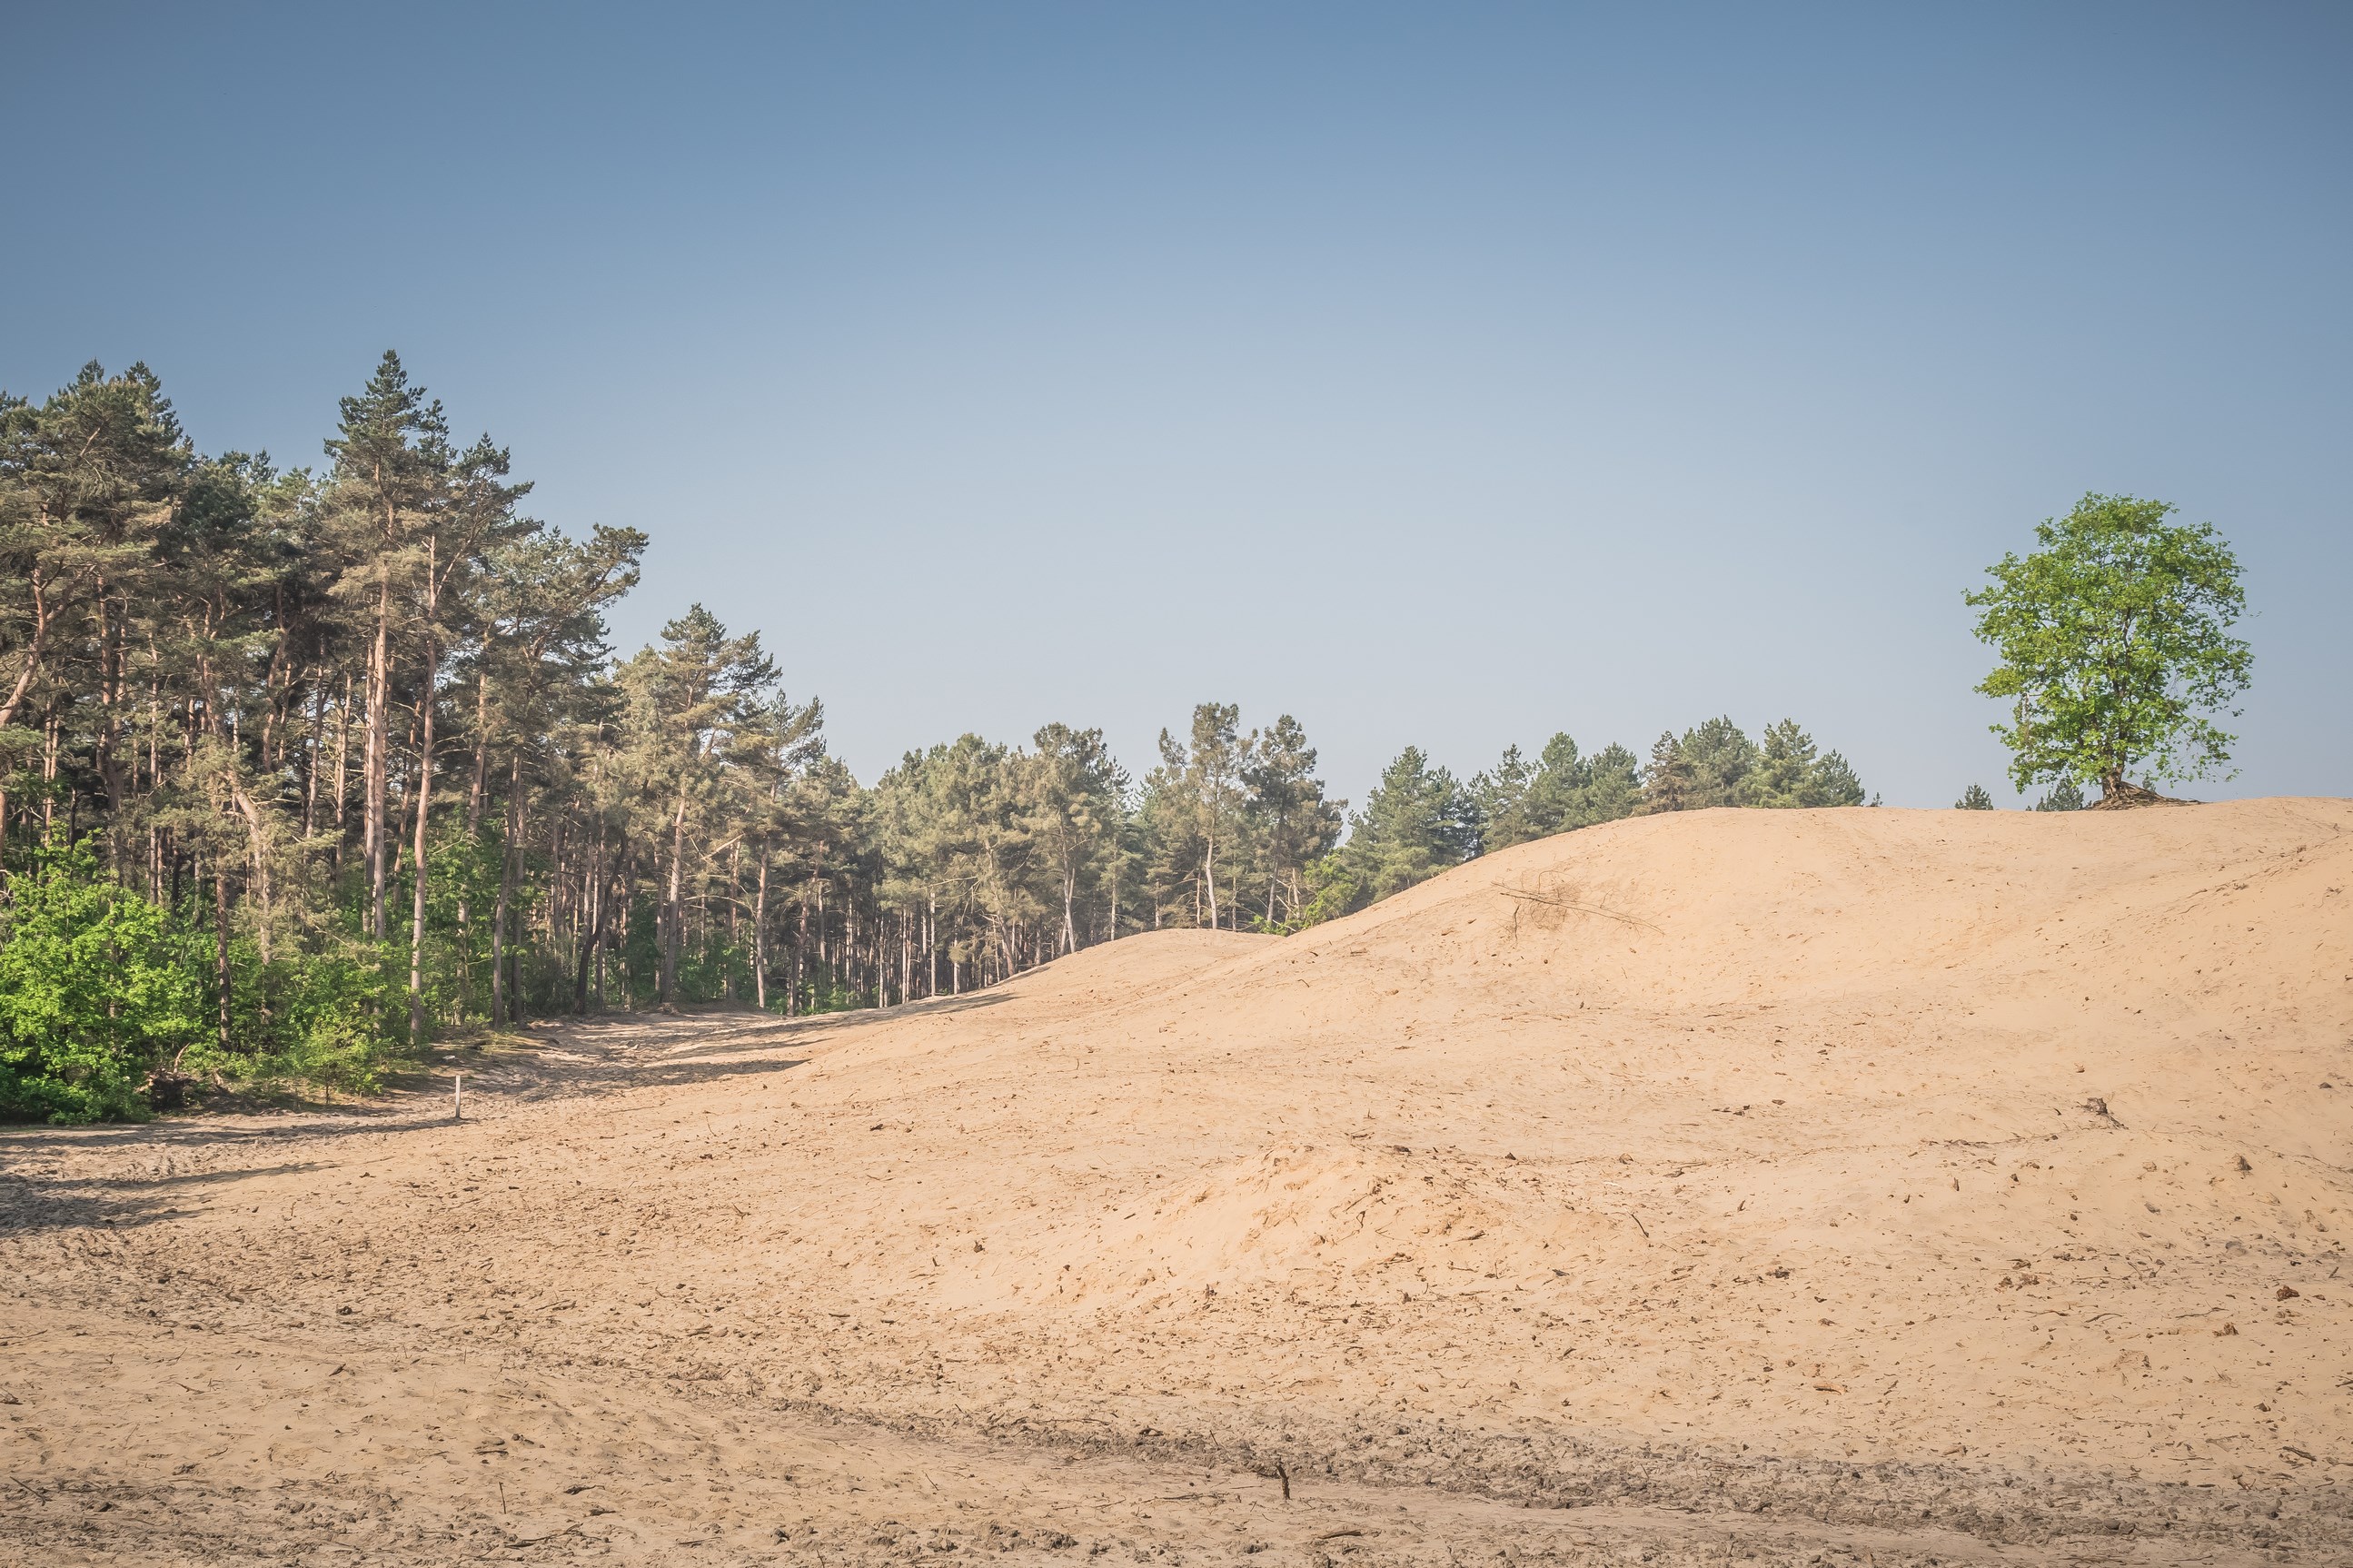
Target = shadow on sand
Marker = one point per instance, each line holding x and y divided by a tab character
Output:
558	1059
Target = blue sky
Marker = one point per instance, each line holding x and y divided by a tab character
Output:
1447	375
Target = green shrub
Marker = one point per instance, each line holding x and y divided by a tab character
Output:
94	992
334	1018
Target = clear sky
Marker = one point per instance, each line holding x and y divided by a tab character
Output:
1450	375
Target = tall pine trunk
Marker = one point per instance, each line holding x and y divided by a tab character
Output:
424	815
220	945
673	909
377	766
760	936
501	1002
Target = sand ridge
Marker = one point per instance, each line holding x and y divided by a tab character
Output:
1917	1184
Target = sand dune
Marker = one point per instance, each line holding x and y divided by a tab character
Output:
1792	1185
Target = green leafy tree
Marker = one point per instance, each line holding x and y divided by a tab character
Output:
1974	798
1169	843
2114	646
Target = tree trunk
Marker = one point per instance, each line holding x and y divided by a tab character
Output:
482	784
734	928
106	742
501	1002
318	747
589	927
343	780
479	788
760	936
257	839
220	945
800	957
379	743
423	816
33	647
1209	874
673	909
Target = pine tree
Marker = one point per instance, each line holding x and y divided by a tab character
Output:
192	649
1790	772
1613	787
539	676
1069	786
89	486
1667	783
696	696
457	534
1974	798
1502	793
1784	766
1831	781
1290	824
1720	756
1415	823
391	461
1207	774
1561	791
2064	796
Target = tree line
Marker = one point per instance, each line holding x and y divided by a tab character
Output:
302	767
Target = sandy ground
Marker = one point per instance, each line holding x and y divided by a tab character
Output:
1860	1187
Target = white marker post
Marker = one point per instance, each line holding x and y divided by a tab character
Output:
457	1098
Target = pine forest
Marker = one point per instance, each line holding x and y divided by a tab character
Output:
304	770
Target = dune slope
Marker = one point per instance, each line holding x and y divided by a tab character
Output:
1971	1179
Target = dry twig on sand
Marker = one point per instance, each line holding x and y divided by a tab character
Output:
1554	901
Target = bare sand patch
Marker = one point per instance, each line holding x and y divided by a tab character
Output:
1773	1186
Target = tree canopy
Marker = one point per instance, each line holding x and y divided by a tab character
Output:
2114	646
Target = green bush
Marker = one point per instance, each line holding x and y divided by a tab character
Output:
100	989
94	992
336	1019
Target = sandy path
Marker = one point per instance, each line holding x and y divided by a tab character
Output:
1769	1186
